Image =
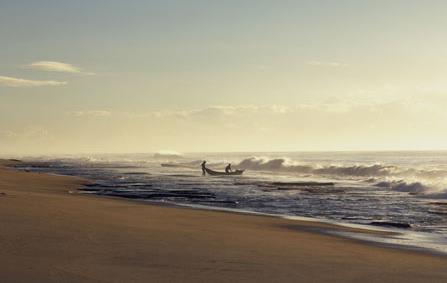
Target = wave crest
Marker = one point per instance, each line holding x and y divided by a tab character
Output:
283	164
401	186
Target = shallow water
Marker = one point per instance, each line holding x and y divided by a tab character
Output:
389	189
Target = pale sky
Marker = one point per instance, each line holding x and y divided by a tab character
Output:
144	76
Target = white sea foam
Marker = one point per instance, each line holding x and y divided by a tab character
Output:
401	186
414	180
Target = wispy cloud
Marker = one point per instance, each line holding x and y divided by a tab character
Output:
53	66
333	64
18	82
91	113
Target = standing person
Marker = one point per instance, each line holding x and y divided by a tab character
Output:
203	168
228	168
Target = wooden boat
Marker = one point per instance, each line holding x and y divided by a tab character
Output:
217	173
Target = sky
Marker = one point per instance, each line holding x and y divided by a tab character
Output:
147	76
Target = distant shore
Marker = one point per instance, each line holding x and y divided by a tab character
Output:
50	235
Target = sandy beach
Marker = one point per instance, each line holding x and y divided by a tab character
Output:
50	235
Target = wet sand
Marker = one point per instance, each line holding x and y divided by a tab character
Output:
50	235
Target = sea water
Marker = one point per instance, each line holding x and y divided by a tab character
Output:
403	190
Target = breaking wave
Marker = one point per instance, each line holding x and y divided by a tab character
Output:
402	186
431	191
423	182
373	170
284	164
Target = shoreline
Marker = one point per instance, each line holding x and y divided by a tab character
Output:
51	235
380	236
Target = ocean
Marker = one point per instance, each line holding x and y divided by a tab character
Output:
396	191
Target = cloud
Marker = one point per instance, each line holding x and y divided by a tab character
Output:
91	113
332	64
53	66
336	123
247	110
18	82
333	114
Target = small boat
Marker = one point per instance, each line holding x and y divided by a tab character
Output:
217	173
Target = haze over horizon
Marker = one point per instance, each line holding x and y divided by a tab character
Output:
191	76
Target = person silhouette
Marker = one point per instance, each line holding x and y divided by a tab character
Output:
203	168
228	168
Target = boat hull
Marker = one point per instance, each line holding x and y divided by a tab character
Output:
217	173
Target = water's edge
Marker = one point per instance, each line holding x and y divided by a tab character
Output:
390	238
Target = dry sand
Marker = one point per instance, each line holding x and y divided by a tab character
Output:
49	235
